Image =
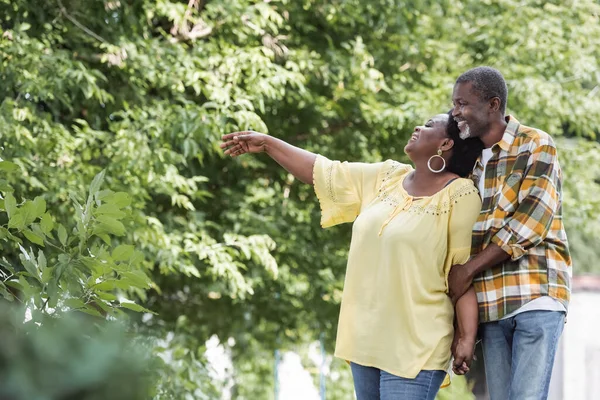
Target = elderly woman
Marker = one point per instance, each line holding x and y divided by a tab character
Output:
411	224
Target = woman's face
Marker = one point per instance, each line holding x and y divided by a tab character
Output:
427	139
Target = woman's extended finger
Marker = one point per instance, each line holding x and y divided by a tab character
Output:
237	153
228	143
230	136
234	150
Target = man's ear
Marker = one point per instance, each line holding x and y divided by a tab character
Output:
495	104
447	145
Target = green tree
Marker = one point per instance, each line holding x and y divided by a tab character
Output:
143	90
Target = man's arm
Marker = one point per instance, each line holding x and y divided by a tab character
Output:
462	276
526	228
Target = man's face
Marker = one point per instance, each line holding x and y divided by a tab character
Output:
470	111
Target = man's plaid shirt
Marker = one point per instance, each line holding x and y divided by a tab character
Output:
521	213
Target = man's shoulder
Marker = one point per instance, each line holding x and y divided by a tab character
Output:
532	137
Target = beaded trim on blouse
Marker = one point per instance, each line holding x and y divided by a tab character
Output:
330	191
389	193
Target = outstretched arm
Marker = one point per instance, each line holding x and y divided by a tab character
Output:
295	160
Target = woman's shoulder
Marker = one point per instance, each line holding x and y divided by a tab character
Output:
391	172
395	168
463	188
462	184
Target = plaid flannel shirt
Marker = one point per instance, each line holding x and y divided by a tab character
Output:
522	213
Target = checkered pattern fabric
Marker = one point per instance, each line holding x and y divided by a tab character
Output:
522	213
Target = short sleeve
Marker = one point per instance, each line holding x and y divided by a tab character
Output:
463	215
343	188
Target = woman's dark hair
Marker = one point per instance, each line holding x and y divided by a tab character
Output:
464	153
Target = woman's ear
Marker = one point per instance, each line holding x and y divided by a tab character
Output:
447	145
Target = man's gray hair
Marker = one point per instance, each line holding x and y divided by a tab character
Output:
487	83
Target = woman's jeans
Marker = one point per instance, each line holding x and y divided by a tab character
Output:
374	384
518	353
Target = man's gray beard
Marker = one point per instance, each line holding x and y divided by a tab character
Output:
465	133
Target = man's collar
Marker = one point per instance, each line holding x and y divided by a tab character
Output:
509	133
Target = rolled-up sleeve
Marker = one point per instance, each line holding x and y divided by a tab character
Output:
538	202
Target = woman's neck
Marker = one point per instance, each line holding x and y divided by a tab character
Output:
422	173
423	182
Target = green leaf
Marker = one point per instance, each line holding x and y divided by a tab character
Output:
102	194
30	267
17	221
52	292
109	284
25	286
7	166
5	292
62	234
106	307
137	257
41	260
39	206
14	284
105	238
33	209
122	252
110	225
33	237
47	224
111	210
91	311
137	279
97	182
106	296
96	266
47	274
4	186
10	204
119	199
74	302
191	270
4	262
135	307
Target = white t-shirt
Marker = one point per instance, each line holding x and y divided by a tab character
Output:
544	303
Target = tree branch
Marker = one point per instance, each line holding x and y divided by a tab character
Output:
64	12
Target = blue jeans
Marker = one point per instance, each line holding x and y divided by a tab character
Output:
518	353
374	384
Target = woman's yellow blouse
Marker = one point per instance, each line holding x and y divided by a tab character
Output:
395	313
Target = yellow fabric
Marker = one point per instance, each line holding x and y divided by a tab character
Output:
395	313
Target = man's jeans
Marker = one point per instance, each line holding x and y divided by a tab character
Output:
374	384
519	354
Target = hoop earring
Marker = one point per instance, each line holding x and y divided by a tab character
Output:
438	155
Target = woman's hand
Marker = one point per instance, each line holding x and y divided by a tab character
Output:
238	143
463	351
297	161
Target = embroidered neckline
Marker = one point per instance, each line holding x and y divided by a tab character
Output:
393	193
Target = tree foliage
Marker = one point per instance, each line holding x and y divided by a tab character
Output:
68	358
116	196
